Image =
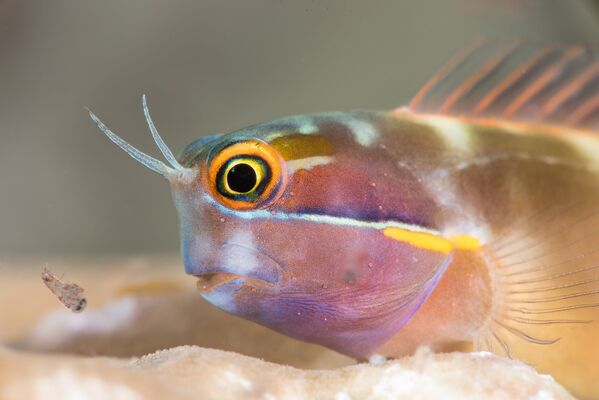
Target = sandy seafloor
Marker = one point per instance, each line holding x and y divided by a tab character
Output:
146	334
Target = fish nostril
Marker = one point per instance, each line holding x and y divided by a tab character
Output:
191	267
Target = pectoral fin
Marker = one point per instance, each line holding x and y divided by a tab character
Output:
546	300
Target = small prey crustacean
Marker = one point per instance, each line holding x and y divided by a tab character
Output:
69	294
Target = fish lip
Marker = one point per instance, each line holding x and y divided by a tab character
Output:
210	281
213	274
216	272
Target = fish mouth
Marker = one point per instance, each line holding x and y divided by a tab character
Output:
208	282
238	265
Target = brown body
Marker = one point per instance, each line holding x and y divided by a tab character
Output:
468	220
531	292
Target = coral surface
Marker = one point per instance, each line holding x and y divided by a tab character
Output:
142	306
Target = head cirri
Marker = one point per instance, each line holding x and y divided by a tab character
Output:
305	225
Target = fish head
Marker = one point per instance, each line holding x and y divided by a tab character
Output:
309	225
306	225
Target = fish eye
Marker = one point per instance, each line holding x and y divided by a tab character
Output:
246	175
243	178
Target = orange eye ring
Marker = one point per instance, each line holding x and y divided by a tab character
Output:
246	175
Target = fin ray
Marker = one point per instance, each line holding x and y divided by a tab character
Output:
523	82
444	72
547	280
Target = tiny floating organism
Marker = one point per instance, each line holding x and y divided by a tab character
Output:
69	294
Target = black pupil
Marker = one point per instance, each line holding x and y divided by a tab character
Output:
241	178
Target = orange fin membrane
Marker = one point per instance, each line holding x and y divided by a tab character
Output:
546	274
554	84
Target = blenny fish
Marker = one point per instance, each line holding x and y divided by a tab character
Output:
466	220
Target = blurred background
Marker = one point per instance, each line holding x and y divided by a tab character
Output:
207	66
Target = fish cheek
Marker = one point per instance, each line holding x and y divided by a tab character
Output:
346	288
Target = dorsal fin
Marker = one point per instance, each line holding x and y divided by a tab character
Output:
552	84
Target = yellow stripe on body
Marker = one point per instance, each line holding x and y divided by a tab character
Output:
465	242
432	242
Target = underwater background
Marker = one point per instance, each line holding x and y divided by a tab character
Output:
71	200
207	67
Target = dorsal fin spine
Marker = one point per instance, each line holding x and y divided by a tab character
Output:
552	85
555	102
444	72
585	110
477	77
510	81
542	81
